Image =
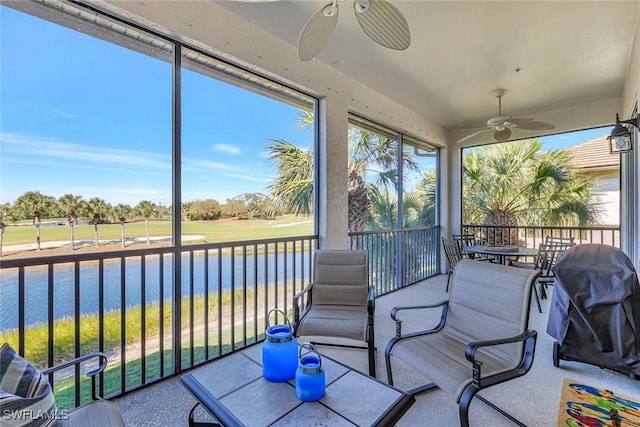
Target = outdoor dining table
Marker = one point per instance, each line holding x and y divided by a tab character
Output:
501	253
233	390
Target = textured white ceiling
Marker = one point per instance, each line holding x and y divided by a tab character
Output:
548	55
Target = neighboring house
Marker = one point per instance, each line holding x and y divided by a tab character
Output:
593	158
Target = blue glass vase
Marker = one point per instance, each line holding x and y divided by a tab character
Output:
310	381
279	351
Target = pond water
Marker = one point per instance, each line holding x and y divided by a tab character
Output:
256	271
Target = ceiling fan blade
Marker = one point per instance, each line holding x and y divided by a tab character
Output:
476	133
502	135
317	31
531	124
383	23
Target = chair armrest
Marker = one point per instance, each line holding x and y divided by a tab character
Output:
395	310
371	300
296	303
474	346
444	305
521	264
524	364
306	289
91	374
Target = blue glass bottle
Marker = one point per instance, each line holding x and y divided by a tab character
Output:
279	351
310	381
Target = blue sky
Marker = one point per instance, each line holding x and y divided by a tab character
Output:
83	116
87	117
565	140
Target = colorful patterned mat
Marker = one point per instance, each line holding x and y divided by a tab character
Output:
583	405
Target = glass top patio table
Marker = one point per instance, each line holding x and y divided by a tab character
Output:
501	252
234	392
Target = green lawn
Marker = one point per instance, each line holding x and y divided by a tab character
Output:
213	231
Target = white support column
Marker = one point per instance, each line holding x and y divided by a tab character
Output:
332	181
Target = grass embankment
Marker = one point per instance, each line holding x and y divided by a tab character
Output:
37	339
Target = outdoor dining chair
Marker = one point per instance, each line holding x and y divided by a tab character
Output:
464	240
544	261
452	251
339	302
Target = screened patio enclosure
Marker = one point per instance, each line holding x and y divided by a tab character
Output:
170	58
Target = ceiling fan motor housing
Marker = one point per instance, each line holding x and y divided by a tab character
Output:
500	122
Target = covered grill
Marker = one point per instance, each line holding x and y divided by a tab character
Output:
595	309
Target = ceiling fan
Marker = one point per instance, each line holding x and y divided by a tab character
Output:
502	125
379	19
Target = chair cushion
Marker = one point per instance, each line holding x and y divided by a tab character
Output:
334	321
26	397
341	267
355	295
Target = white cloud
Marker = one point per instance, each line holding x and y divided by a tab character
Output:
227	148
53	148
63	113
248	177
195	164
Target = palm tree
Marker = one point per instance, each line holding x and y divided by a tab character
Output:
418	205
71	205
517	183
97	209
146	209
372	164
5	211
384	209
426	193
36	204
293	187
120	213
2	227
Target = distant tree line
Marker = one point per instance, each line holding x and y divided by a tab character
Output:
35	206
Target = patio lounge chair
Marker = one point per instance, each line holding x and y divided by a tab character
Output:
339	302
482	337
27	391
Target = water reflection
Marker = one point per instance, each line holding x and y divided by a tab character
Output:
221	271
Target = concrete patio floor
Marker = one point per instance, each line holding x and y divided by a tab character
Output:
533	398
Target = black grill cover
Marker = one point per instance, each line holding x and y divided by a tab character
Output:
595	309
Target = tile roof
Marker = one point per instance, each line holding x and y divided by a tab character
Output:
594	155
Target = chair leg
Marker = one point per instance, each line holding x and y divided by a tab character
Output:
465	402
372	358
544	285
535	291
387	359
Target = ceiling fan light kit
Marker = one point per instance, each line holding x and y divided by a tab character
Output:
502	125
381	21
